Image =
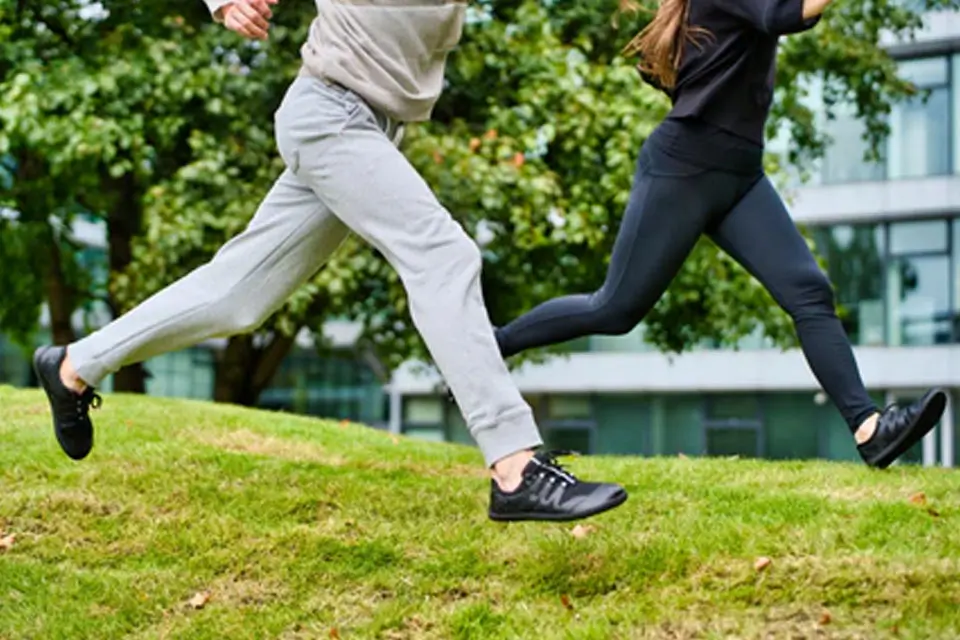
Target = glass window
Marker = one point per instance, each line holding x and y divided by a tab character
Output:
855	264
955	109
843	160
956	276
569	439
424	410
733	407
918	299
920	137
924	236
425	433
919	143
568	407
733	442
925	72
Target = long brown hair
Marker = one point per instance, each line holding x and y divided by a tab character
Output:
660	44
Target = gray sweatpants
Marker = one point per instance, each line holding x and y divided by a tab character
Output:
344	173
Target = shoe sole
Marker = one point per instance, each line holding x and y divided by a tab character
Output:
43	383
929	416
559	517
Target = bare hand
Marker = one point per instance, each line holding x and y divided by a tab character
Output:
249	18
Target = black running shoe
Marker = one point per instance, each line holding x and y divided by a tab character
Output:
549	492
899	428
71	419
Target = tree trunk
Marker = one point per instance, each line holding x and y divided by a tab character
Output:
245	370
59	298
123	223
36	200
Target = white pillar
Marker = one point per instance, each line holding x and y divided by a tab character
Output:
946	433
930	448
889	398
395	419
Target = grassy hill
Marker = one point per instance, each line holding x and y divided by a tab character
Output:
305	529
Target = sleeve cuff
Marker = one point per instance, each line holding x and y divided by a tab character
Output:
216	8
786	17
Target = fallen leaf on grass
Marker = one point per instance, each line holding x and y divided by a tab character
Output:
395	439
933	512
582	530
825	618
334	634
919	498
762	563
565	601
6	542
344	424
200	599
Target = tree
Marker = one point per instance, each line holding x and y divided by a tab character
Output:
155	114
97	107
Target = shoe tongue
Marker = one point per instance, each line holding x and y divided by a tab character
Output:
537	464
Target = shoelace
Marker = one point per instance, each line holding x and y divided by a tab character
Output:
89	398
900	415
550	462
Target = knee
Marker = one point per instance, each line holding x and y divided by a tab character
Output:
239	321
458	257
613	319
810	294
615	325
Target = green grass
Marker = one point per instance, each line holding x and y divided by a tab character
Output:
305	529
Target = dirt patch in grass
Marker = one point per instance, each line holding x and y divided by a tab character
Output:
250	442
781	623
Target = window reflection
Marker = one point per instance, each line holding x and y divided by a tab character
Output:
920	137
921	236
854	256
918	283
843	160
919	143
918	299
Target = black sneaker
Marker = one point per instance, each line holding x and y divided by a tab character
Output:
71	419
549	492
899	428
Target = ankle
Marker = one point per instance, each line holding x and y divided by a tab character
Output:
69	376
508	472
866	429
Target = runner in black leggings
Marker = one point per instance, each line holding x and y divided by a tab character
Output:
701	172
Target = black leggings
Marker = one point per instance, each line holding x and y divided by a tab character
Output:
674	200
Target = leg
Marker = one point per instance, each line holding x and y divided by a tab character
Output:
664	218
288	240
339	146
759	234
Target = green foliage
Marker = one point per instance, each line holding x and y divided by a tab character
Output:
22	284
155	113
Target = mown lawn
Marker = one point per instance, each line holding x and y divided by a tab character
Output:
305	529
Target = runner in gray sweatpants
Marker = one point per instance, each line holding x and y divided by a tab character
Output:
369	66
